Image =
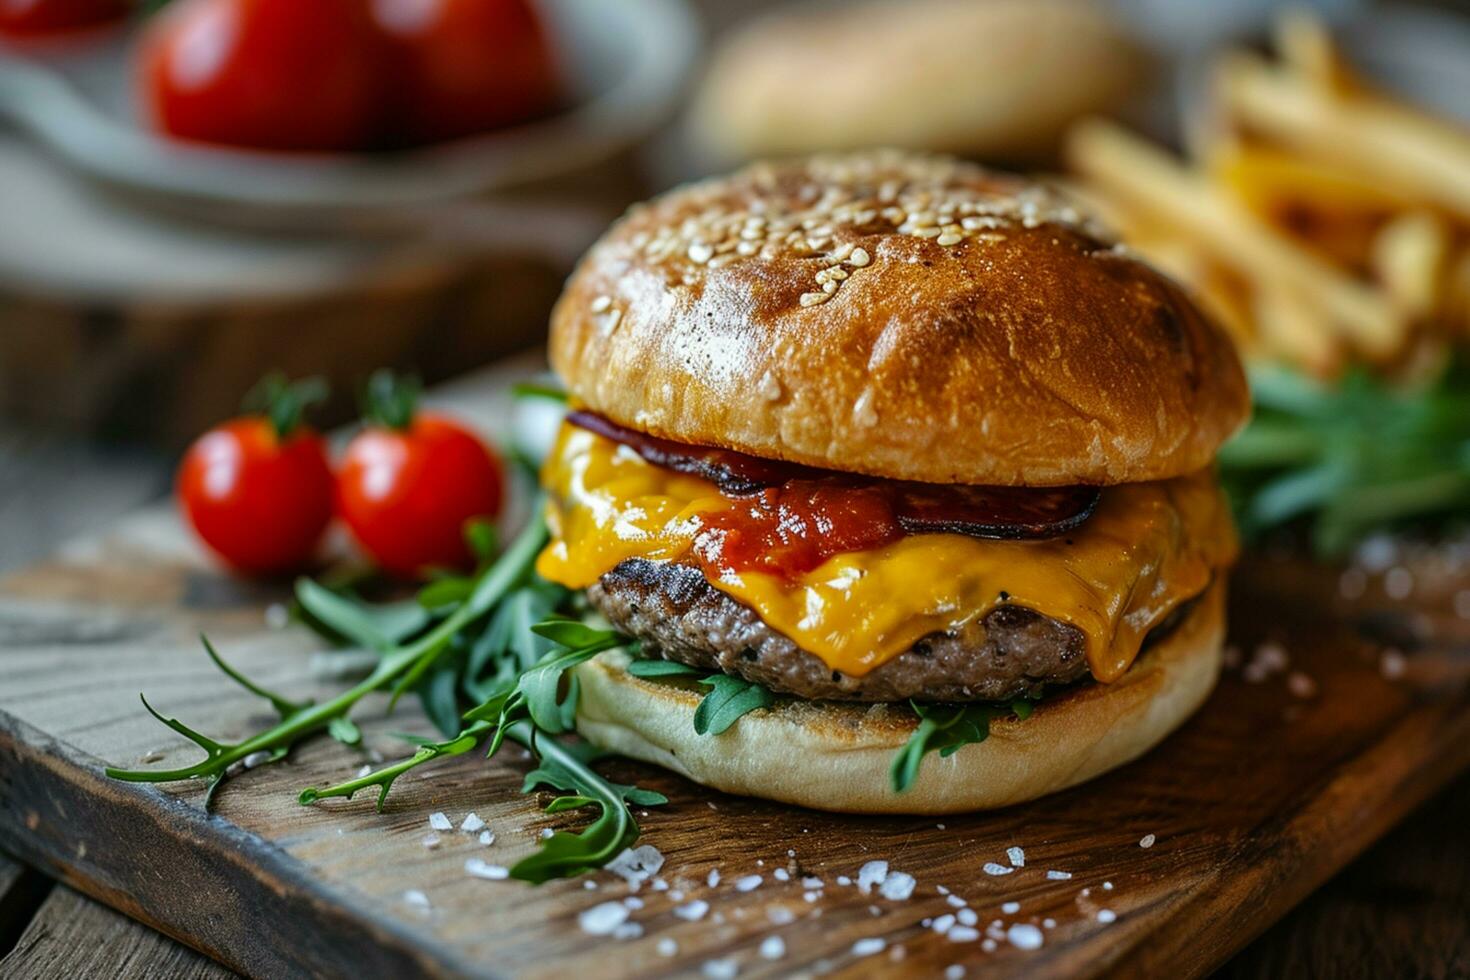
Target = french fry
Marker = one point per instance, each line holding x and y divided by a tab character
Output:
1291	327
1304	44
1195	207
1406	151
1409	257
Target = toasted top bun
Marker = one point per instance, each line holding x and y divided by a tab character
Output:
911	317
997	79
835	756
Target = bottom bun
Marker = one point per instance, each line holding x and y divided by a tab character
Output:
836	756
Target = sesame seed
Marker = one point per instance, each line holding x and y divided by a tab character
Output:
601	303
949	238
956	902
812	299
859	258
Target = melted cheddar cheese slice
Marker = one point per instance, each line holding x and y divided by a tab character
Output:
1147	548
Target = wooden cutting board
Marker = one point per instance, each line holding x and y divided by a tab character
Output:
1277	783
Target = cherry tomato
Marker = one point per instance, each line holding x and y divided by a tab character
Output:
30	17
462	67
409	484
258	489
271	74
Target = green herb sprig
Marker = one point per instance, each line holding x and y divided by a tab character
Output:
1349	459
946	728
398	661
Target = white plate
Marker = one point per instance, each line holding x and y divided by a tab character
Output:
626	61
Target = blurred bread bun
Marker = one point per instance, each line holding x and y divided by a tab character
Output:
998	79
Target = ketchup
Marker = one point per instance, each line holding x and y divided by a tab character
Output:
786	519
793	528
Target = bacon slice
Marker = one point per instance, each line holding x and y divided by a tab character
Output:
981	512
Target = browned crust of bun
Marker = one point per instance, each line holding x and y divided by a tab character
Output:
835	755
934	322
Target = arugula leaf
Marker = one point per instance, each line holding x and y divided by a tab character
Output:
1346	460
946	728
662	668
565	854
729	699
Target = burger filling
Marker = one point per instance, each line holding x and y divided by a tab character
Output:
860	573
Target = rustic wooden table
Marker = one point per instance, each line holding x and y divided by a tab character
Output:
1399	911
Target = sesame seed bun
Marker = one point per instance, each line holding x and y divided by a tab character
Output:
995	79
836	756
903	316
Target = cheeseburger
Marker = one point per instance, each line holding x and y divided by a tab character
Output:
905	447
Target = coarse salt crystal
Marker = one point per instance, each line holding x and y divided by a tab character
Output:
255	759
1024	936
628	930
954	972
487	838
590	885
431	841
844	880
633	902
659	885
941	889
547	832
811	896
1058	875
1398	583
780	915
748	883
811	882
1147	841
438	821
636	865
1107	886
692	912
869	946
1011	908
472	824
773	948
601	920
416	898
1106	915
988	945
364	771
967	917
871	874
943	923
956	902
1391	665
897	887
714	877
724	969
667	947
1300	685
962	934
1016	856
1049	923
781	874
478	868
991	868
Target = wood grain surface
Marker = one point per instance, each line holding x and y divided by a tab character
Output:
1254	803
72	936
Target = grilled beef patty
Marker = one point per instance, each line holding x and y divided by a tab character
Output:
678	615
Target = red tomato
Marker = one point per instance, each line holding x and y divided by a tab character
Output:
259	501
465	66
407	493
271	74
19	17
